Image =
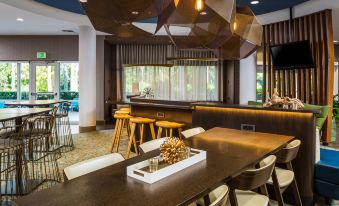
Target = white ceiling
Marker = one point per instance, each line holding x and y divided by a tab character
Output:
40	19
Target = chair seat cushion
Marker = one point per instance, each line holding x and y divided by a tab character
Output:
327	169
285	177
249	198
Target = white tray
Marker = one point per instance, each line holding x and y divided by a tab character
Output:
135	171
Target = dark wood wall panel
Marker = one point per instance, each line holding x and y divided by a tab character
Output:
24	48
310	85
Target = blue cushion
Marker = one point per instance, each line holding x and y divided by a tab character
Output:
327	169
330	157
327	189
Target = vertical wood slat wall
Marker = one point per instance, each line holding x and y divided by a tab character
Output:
314	86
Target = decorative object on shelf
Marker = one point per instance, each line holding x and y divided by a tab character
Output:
217	25
173	150
148	93
293	103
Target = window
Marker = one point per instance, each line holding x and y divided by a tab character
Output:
69	80
260	77
24	75
8	80
181	83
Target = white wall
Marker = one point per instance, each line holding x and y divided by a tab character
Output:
248	82
100	79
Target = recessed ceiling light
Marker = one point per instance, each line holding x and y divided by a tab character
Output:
135	12
254	2
335	41
83	1
203	13
20	19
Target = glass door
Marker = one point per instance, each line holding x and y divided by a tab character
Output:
44	81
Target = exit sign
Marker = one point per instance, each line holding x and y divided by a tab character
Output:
41	55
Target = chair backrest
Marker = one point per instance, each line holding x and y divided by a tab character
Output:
288	153
254	178
219	196
151	145
92	165
191	132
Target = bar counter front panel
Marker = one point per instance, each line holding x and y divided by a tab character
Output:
300	124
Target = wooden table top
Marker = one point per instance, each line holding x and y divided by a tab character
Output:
14	113
229	152
33	102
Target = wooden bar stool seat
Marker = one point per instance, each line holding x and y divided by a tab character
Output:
122	120
122	112
139	121
168	126
128	109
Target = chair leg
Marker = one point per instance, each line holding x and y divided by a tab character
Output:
130	140
151	126
294	186
277	190
166	132
123	121
159	132
171	133
179	131
114	135
233	198
141	133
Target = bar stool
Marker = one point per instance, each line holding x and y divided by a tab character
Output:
125	109
140	121
122	120
282	178
168	126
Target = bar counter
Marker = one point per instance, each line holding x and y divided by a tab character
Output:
297	123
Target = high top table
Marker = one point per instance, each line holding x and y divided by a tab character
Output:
33	103
229	152
19	113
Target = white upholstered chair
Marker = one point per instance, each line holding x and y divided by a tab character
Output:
92	165
151	145
241	185
191	132
218	197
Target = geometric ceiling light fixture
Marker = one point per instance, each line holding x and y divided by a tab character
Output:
204	24
218	25
117	16
246	39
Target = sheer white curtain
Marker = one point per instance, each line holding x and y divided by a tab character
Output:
185	81
137	78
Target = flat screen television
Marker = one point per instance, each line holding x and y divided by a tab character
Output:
295	55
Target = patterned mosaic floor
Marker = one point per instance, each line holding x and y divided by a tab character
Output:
90	145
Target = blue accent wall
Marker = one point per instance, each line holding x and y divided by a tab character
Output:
67	5
265	6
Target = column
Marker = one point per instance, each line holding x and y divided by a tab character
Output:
87	79
248	79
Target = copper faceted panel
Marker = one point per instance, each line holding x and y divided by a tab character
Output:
246	39
218	25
